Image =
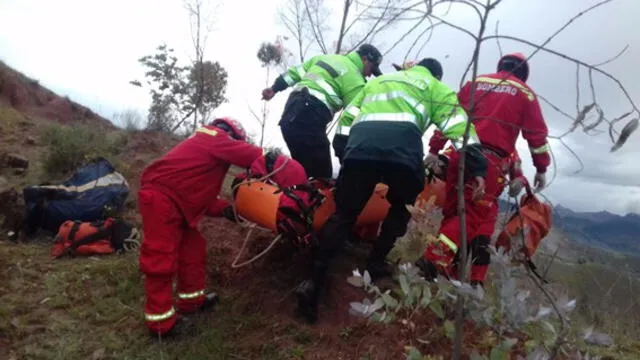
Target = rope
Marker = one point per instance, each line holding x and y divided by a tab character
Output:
252	225
261	254
133	241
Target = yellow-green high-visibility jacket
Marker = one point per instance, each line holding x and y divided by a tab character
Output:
333	79
388	118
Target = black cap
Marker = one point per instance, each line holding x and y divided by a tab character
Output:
374	56
433	66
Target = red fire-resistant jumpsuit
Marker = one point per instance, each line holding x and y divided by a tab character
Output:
177	190
505	106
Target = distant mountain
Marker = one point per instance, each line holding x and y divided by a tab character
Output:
600	229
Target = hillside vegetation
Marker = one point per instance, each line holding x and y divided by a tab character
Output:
91	308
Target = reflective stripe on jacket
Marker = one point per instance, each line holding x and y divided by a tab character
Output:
333	79
413	96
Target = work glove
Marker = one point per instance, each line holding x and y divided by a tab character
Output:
539	181
515	186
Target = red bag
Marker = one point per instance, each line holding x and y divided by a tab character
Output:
92	238
534	217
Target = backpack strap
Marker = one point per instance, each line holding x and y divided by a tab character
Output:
102	233
74	230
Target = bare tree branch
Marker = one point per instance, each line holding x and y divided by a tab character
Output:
420	35
462	272
498	39
426	41
294	19
555	107
315	24
613	58
345	14
566	57
578	88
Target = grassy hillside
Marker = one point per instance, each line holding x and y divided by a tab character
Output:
91	308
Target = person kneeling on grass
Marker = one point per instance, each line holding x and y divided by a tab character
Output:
177	190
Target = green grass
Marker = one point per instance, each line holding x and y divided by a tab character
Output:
14	129
70	308
607	301
75	308
71	146
92	307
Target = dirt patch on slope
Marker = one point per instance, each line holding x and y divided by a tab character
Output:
266	287
34	100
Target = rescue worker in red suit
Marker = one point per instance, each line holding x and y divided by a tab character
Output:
511	168
177	190
505	106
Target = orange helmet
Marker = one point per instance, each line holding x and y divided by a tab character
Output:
515	63
232	126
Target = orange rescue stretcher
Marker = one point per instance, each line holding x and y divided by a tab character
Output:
258	202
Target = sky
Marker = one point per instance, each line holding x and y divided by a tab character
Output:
88	50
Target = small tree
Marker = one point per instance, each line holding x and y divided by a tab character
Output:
270	55
207	88
178	92
167	86
129	119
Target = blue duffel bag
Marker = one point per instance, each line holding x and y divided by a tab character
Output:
94	192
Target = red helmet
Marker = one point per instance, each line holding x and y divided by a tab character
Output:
232	126
515	63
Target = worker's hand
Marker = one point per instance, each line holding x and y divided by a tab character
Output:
432	162
479	188
539	181
515	186
268	94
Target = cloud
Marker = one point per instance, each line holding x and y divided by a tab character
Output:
89	51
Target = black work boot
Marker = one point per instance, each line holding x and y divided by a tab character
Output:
307	295
182	328
210	300
377	264
378	269
427	269
308	292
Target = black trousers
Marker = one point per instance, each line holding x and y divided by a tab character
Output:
356	182
303	125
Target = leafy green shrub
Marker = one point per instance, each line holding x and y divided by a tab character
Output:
518	313
72	146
